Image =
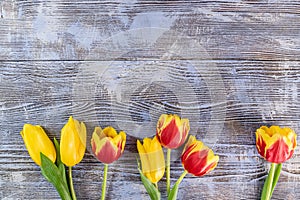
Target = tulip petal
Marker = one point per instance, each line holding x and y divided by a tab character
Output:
260	144
108	153
278	146
72	142
37	141
152	159
140	147
170	135
109	132
147	145
156	159
196	162
123	135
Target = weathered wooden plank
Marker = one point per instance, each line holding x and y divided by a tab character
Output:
67	30
228	66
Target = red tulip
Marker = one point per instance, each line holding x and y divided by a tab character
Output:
197	158
172	131
276	144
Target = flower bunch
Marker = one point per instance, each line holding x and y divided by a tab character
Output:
171	133
106	144
276	145
52	158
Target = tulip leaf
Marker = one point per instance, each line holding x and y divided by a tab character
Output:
58	160
52	173
151	189
59	164
173	192
149	186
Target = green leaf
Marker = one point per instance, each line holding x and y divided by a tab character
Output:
149	186
58	160
173	192
60	165
53	175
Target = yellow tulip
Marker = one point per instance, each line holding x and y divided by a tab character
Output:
37	141
152	158
72	142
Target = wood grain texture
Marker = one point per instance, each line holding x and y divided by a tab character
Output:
229	67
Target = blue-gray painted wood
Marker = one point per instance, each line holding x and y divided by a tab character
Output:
229	67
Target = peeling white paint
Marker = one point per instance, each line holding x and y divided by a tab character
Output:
152	19
84	35
43	29
17	177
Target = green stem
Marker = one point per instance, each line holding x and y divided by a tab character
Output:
276	176
168	170
104	181
71	184
173	193
267	191
181	177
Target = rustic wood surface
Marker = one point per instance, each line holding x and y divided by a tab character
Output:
229	66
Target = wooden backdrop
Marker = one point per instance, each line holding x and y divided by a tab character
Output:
229	66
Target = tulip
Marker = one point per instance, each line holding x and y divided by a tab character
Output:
152	158
275	144
107	144
72	142
72	146
37	142
172	131
197	158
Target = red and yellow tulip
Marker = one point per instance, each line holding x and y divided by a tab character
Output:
107	144
36	142
197	158
152	158
276	144
172	131
72	142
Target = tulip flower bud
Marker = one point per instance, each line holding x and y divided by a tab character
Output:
37	142
152	158
172	131
72	142
276	144
197	158
107	144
